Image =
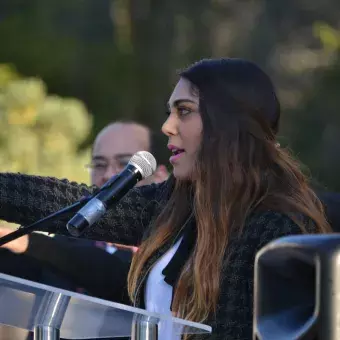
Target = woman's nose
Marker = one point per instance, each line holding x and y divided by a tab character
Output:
170	126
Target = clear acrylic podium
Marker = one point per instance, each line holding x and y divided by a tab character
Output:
54	313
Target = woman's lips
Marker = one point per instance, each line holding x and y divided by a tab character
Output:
176	156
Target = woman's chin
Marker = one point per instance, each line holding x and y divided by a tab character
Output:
181	174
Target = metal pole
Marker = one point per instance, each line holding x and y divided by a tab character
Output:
144	328
329	296
50	316
46	333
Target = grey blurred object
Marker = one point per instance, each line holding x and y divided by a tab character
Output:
297	289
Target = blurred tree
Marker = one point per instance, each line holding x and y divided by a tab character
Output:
120	57
40	133
315	130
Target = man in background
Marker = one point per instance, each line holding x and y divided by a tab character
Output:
112	150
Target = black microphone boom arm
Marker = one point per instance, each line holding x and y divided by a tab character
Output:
44	222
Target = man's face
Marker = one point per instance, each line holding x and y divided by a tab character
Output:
113	149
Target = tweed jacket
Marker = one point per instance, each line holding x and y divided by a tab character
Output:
24	199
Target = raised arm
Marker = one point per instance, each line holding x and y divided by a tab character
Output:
25	199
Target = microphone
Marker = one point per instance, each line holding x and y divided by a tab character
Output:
141	165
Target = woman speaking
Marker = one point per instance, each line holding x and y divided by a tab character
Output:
232	190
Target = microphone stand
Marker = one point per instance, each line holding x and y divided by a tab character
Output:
45	222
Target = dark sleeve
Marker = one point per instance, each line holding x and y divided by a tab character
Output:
234	316
25	199
100	273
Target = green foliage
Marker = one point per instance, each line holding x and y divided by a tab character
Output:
329	36
41	133
121	58
315	122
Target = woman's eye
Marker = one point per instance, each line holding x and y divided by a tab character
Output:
183	111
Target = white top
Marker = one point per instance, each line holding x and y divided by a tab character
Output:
158	294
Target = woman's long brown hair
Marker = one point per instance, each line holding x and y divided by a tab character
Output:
240	169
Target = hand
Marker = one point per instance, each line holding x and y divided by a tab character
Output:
124	247
161	174
17	246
